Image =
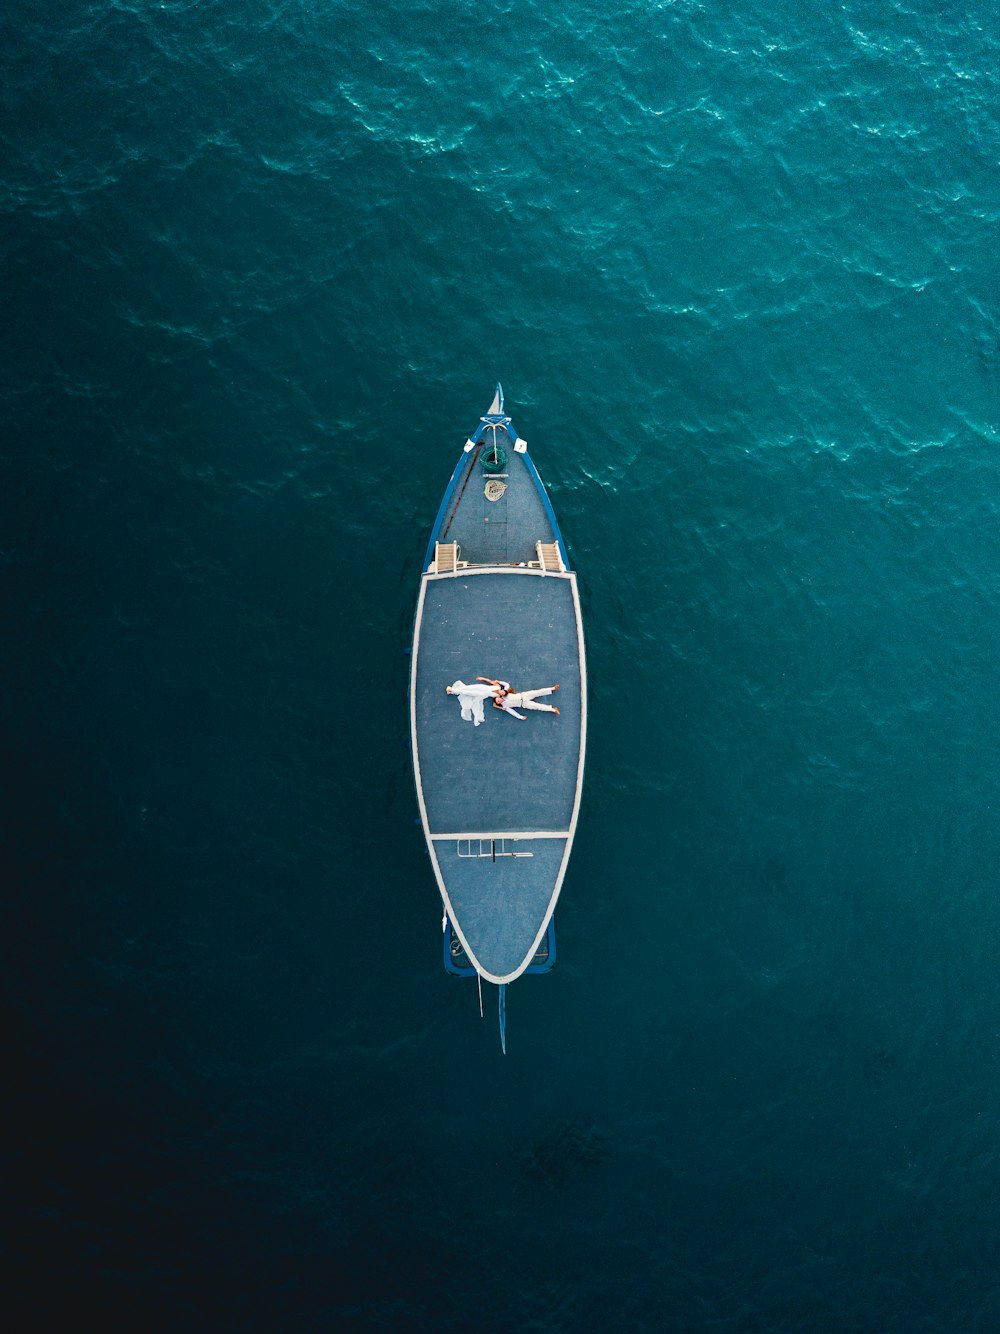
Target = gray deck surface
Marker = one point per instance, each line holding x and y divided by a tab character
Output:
501	905
496	532
504	775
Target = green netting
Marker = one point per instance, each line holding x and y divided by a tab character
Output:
494	458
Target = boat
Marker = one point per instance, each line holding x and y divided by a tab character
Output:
499	801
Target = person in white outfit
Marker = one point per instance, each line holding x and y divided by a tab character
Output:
526	699
500	685
471	698
512	700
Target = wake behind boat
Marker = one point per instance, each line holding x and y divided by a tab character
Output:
499	794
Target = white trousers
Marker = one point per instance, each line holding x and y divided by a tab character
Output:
525	699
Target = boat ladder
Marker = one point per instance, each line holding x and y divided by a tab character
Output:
487	847
446	560
550	559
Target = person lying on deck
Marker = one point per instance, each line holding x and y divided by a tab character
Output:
500	685
501	700
512	700
470	698
502	695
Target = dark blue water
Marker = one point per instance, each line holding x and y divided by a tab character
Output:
737	270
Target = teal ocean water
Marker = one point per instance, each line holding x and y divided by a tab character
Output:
736	267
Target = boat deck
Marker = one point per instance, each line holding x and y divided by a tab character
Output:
506	786
497	532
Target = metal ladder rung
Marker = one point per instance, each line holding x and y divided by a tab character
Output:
488	847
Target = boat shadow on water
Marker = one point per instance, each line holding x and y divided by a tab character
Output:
568	1149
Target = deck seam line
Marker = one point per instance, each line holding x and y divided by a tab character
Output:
515	835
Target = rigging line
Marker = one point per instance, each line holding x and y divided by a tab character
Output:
503	1017
473	455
